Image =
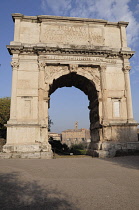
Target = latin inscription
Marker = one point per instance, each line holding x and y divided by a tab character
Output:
78	35
81	58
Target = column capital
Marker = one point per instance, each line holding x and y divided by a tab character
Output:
41	65
103	67
15	64
126	69
46	99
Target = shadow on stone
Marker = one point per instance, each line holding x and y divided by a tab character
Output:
125	161
18	195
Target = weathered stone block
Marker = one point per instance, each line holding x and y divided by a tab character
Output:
103	154
46	155
4	155
30	155
22	148
112	152
106	146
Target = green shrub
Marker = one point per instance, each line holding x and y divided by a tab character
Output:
78	149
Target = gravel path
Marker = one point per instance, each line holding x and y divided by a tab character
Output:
70	184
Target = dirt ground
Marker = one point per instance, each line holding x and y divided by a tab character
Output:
70	183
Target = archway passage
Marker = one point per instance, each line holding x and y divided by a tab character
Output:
88	87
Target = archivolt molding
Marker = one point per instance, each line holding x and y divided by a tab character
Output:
53	72
91	73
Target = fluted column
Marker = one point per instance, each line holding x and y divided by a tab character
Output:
13	109
43	103
46	101
41	92
104	92
128	93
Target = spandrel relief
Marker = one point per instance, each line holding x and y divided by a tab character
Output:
53	72
91	73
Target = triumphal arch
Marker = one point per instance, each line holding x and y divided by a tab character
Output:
51	52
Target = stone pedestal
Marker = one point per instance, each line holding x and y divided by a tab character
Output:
115	139
25	141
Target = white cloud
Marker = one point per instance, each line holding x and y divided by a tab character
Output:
58	7
111	10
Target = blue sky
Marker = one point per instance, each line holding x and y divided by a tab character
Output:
70	104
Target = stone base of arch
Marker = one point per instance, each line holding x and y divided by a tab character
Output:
33	142
107	141
30	151
115	138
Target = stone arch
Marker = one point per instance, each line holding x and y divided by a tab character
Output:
89	88
90	72
69	47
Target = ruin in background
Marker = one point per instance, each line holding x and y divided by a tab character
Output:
76	136
51	52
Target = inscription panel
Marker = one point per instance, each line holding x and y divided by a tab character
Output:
69	34
27	108
79	58
116	108
96	36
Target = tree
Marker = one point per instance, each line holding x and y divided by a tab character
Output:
4	115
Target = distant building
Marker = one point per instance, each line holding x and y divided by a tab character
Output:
75	136
138	133
54	136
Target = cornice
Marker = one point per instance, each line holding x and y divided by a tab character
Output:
45	50
44	18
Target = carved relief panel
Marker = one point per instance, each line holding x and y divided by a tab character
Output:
54	71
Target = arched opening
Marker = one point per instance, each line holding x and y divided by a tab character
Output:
67	106
88	87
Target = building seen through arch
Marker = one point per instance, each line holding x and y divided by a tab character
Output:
49	52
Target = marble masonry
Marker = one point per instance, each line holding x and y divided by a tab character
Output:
50	52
